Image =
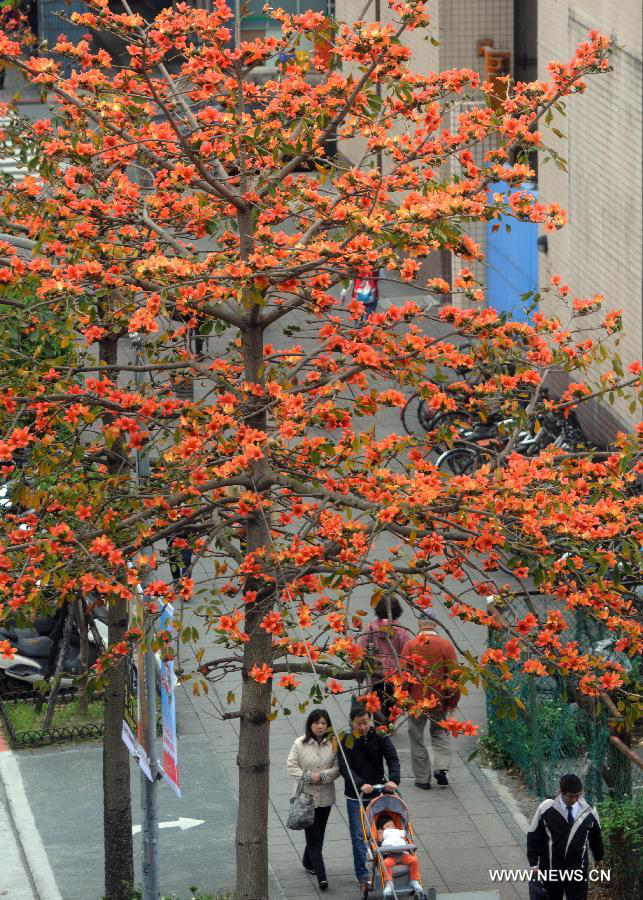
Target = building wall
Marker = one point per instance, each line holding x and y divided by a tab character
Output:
459	26
600	251
463	23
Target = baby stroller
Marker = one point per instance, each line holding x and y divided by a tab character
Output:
388	806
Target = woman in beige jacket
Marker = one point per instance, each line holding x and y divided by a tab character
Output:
313	757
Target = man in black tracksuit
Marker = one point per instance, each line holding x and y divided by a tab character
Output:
361	762
558	840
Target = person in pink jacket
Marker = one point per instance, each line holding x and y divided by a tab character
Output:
384	640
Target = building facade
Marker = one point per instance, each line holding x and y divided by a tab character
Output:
601	250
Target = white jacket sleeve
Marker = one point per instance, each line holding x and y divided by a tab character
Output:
293	764
331	773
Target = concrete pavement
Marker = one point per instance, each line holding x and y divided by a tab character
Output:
63	786
15	882
463	830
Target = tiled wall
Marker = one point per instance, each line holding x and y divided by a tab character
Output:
459	26
463	23
601	249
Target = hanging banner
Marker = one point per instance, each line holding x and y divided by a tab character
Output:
169	762
131	721
135	714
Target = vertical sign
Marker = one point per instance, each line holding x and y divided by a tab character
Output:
136	707
169	763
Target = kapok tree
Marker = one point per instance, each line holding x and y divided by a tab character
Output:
187	194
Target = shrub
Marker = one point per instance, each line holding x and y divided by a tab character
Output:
491	753
622	824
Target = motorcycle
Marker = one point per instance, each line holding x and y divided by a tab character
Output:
38	648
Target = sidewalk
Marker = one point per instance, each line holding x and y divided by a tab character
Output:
463	830
15	879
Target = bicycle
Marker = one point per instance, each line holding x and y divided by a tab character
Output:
464	458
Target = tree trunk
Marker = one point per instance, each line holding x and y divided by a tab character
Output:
83	700
58	671
117	801
253	759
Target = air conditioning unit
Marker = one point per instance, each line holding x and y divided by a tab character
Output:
497	65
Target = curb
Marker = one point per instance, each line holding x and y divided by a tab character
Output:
502	799
273	879
30	843
507	798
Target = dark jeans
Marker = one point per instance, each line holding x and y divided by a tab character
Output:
570	890
357	839
384	690
313	858
180	560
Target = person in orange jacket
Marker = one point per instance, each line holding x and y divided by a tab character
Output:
430	659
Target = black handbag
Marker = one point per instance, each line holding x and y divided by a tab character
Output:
302	809
538	890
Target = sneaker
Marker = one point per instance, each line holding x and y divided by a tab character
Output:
323	885
441	777
425	785
308	867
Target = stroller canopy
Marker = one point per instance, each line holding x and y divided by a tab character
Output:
387	804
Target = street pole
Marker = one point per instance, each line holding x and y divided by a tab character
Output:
237	24
150	830
378	87
147	692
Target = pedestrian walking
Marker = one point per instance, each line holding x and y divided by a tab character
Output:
313	758
362	758
384	640
365	289
179	556
430	659
562	832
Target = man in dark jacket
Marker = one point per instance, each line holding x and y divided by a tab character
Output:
361	762
558	840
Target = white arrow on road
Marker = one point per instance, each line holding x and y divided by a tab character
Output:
182	823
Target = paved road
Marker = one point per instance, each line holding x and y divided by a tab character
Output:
463	830
64	788
14	883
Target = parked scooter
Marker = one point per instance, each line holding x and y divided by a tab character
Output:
38	648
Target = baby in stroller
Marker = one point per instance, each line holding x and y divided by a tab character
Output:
390	838
392	842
